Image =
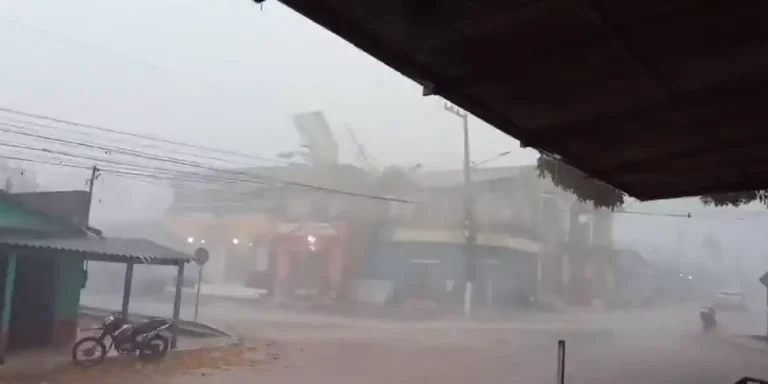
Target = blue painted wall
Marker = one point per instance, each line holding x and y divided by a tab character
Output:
514	275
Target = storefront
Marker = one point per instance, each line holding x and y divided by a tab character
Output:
311	260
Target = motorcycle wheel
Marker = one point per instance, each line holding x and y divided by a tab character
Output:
98	349
155	348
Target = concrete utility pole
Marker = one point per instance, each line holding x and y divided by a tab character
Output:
470	230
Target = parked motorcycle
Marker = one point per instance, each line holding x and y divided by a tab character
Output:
708	320
144	340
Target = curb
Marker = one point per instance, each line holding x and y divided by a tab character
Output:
744	342
232	342
191	326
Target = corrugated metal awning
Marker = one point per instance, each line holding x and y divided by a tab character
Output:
104	249
660	99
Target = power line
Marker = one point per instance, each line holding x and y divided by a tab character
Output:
144	155
198	154
107	149
202	177
686	215
137	135
128	173
125	151
140	171
180	162
153	181
117	172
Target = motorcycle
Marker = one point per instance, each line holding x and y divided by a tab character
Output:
708	320
144	339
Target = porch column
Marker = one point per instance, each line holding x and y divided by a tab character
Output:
336	267
5	316
127	287
282	284
177	303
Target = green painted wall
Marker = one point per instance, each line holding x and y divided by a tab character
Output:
69	280
13	216
10	277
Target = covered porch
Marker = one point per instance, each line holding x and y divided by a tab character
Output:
41	280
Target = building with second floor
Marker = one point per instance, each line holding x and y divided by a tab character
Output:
532	238
422	250
284	229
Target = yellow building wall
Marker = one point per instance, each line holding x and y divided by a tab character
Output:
457	237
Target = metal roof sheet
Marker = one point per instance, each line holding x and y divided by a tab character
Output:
146	251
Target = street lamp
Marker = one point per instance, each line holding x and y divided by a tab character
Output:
476	164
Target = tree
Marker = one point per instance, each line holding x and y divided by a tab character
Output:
587	189
735	199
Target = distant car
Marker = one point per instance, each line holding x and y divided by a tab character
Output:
729	301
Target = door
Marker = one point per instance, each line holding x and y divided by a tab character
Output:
32	306
309	273
485	281
421	280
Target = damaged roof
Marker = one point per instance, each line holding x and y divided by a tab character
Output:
660	99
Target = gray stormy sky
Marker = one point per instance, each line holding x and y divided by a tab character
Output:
223	73
226	73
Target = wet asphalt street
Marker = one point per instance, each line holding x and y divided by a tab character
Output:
482	357
485	357
659	345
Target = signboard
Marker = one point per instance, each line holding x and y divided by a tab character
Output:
764	282
201	256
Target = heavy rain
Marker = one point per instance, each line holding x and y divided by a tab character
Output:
354	230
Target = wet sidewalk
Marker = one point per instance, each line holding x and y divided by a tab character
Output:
40	361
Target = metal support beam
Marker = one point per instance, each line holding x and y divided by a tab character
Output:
127	288
177	304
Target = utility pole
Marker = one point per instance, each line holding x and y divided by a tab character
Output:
91	181
470	230
679	249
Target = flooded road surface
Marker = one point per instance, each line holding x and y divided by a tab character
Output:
682	359
661	345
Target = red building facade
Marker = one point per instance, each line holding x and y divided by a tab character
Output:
311	260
